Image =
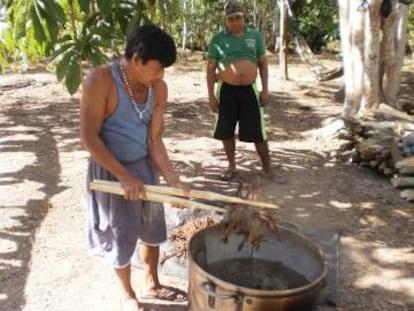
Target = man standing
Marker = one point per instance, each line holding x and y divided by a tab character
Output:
121	124
238	52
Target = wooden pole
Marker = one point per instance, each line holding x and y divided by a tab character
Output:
115	188
103	185
283	39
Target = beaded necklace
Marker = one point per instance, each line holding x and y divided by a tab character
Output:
131	96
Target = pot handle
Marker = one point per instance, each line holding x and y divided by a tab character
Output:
208	288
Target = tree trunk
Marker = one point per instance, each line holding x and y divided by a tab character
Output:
254	13
372	47
346	43
283	40
73	21
263	10
184	25
393	70
370	98
274	42
192	32
352	40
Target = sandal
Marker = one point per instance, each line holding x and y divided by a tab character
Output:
166	293
228	174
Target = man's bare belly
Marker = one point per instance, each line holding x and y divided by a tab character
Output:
242	72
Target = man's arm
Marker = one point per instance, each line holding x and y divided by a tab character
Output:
211	79
156	147
264	77
93	111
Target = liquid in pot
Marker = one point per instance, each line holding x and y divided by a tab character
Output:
257	274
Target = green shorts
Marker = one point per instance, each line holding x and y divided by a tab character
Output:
239	104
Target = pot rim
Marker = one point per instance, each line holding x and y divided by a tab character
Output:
320	281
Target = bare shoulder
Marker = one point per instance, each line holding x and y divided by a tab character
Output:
98	78
160	91
159	86
97	90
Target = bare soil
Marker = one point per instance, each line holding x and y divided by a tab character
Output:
43	258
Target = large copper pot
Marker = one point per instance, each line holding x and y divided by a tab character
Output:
208	292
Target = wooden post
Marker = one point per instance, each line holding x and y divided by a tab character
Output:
275	29
283	39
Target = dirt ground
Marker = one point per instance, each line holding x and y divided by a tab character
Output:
43	259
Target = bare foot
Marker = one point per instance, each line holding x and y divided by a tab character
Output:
130	304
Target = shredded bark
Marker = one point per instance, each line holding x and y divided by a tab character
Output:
182	235
254	223
251	222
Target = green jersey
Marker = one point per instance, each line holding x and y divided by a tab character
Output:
226	48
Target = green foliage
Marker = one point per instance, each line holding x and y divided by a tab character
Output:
75	32
317	21
203	22
410	30
84	6
33	27
43	17
104	6
72	51
6	47
71	31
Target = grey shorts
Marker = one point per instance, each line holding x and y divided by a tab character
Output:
115	225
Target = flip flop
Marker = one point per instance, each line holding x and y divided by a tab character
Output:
167	294
228	174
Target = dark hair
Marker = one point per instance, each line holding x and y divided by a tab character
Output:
149	42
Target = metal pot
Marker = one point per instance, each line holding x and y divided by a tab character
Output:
292	249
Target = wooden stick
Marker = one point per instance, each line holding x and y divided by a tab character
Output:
403	182
115	188
387	109
407	194
198	194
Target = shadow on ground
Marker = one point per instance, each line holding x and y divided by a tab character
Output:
27	126
163	307
319	190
